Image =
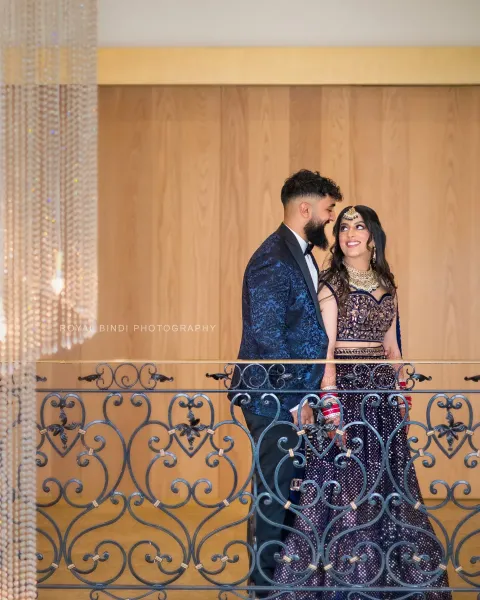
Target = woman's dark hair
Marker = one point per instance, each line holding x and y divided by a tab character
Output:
377	237
309	183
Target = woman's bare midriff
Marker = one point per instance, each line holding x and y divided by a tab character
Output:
358	345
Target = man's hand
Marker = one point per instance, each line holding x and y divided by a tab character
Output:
306	415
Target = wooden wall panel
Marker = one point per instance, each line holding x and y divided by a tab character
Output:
190	179
318	141
189	186
443	135
255	159
235	217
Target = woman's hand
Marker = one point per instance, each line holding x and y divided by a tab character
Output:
329	385
403	412
341	438
402	401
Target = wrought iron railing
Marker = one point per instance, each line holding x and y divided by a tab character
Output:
148	483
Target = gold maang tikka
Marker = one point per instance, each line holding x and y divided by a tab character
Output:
351	214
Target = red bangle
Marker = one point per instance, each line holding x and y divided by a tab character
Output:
403	386
334	409
330	412
408	399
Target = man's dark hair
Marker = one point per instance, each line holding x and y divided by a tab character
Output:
309	183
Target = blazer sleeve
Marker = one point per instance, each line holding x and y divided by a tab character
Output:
269	290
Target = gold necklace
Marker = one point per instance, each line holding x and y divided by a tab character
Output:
366	281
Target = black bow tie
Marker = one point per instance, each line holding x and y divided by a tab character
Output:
308	249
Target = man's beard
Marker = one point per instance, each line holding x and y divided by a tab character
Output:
315	233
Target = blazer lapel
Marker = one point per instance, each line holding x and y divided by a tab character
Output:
295	249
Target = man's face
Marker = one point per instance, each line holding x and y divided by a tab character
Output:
324	209
322	213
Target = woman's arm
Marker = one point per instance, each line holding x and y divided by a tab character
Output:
392	352
329	310
390	342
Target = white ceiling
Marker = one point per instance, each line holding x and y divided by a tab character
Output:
289	22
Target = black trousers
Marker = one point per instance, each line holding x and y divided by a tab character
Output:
269	457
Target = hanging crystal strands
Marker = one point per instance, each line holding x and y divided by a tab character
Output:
48	231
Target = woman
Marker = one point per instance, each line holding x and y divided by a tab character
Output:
361	519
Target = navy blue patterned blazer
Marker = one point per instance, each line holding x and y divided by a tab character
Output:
281	319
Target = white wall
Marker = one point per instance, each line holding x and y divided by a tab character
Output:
289	22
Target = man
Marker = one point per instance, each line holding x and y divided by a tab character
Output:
281	320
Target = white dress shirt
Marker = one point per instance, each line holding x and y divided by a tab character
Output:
313	273
308	258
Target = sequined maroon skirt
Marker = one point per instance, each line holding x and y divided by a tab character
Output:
361	520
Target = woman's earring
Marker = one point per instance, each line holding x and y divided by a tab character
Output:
374	255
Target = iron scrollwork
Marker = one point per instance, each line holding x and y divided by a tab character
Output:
123	455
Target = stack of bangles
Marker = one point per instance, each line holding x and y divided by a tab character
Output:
403	386
332	410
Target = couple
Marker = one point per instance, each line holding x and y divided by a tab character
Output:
360	519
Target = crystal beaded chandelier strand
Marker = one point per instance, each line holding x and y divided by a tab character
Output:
48	236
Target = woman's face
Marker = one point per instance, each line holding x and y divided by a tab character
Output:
353	237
